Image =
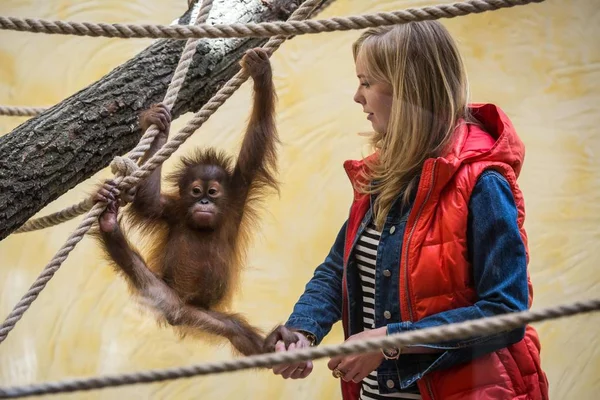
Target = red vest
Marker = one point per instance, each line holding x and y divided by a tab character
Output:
433	281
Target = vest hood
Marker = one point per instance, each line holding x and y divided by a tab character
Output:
494	140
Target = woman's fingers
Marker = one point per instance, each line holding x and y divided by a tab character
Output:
293	370
279	369
352	373
334	362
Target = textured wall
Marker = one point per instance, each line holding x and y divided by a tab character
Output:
540	63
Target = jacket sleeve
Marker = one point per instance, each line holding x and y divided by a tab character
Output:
499	262
320	306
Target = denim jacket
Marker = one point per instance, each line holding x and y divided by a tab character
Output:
498	258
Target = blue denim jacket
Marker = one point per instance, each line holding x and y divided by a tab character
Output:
499	263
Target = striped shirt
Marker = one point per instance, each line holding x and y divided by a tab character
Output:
366	253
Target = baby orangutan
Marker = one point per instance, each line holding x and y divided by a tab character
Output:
198	235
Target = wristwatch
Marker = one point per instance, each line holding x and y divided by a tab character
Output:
391	353
311	338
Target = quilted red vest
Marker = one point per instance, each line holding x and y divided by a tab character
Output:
433	279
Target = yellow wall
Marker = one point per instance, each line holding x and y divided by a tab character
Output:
539	62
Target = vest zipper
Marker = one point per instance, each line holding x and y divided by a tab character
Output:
410	312
431	185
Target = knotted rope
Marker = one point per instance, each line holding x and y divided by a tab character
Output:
126	31
377	19
125	183
462	330
123	166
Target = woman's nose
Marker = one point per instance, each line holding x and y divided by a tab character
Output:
359	98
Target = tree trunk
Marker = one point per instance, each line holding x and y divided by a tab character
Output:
51	153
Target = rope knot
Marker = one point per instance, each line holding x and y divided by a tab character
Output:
124	166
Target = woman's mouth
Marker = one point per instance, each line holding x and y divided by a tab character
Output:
370	116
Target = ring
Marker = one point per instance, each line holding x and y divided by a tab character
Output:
338	374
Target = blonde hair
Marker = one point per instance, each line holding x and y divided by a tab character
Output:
421	62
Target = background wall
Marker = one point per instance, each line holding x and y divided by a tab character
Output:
539	62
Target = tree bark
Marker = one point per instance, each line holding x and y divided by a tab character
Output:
51	153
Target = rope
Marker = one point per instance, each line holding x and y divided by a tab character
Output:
483	326
17	111
121	167
126	31
125	183
418	14
57	218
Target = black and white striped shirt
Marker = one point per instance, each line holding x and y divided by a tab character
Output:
366	254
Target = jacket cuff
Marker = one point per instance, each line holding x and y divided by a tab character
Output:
307	325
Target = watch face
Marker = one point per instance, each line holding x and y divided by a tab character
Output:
391	353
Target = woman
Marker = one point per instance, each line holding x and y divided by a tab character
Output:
434	235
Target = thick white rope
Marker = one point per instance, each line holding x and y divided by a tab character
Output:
462	330
262	29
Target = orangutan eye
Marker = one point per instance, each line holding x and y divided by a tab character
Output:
212	191
196	191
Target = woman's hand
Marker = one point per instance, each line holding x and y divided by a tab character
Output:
299	370
355	367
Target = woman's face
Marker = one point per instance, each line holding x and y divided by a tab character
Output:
375	98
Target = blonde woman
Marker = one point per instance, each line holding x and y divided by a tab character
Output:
434	234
